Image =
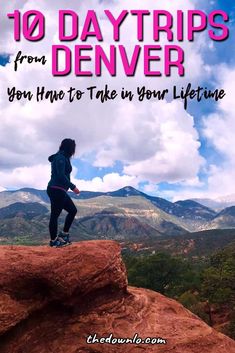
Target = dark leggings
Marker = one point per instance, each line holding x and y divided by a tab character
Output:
60	200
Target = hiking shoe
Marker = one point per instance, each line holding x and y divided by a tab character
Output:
65	237
58	243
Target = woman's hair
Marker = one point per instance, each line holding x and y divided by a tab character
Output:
68	146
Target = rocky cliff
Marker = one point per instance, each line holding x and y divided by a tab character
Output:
51	300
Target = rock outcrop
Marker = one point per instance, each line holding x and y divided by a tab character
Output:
51	300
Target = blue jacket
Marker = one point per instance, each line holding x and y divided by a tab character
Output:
60	171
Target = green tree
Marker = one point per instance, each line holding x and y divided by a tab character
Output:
219	278
161	272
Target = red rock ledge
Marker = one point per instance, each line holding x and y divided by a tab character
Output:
51	300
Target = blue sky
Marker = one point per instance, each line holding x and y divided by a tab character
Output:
116	145
4	59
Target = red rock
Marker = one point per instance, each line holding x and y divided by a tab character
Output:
52	299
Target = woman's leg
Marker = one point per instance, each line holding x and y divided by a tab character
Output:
57	202
53	224
72	210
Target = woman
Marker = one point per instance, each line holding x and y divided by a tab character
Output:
57	191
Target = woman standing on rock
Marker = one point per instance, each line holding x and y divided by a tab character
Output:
57	191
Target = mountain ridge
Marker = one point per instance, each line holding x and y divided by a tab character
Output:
125	213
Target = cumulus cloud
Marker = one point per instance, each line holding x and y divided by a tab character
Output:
150	188
219	127
109	182
219	130
37	177
34	176
176	154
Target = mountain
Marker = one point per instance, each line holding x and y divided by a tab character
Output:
190	209
125	192
187	209
192	214
84	195
112	226
229	211
131	206
126	213
184	209
127	218
33	195
27	210
23	195
224	219
103	217
126	221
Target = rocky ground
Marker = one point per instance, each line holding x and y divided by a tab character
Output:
51	300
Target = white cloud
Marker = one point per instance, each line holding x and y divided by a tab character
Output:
34	176
38	176
109	182
175	155
151	188
219	129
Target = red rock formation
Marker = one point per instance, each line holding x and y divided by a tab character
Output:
51	300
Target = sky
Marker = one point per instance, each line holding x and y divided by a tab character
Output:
155	146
